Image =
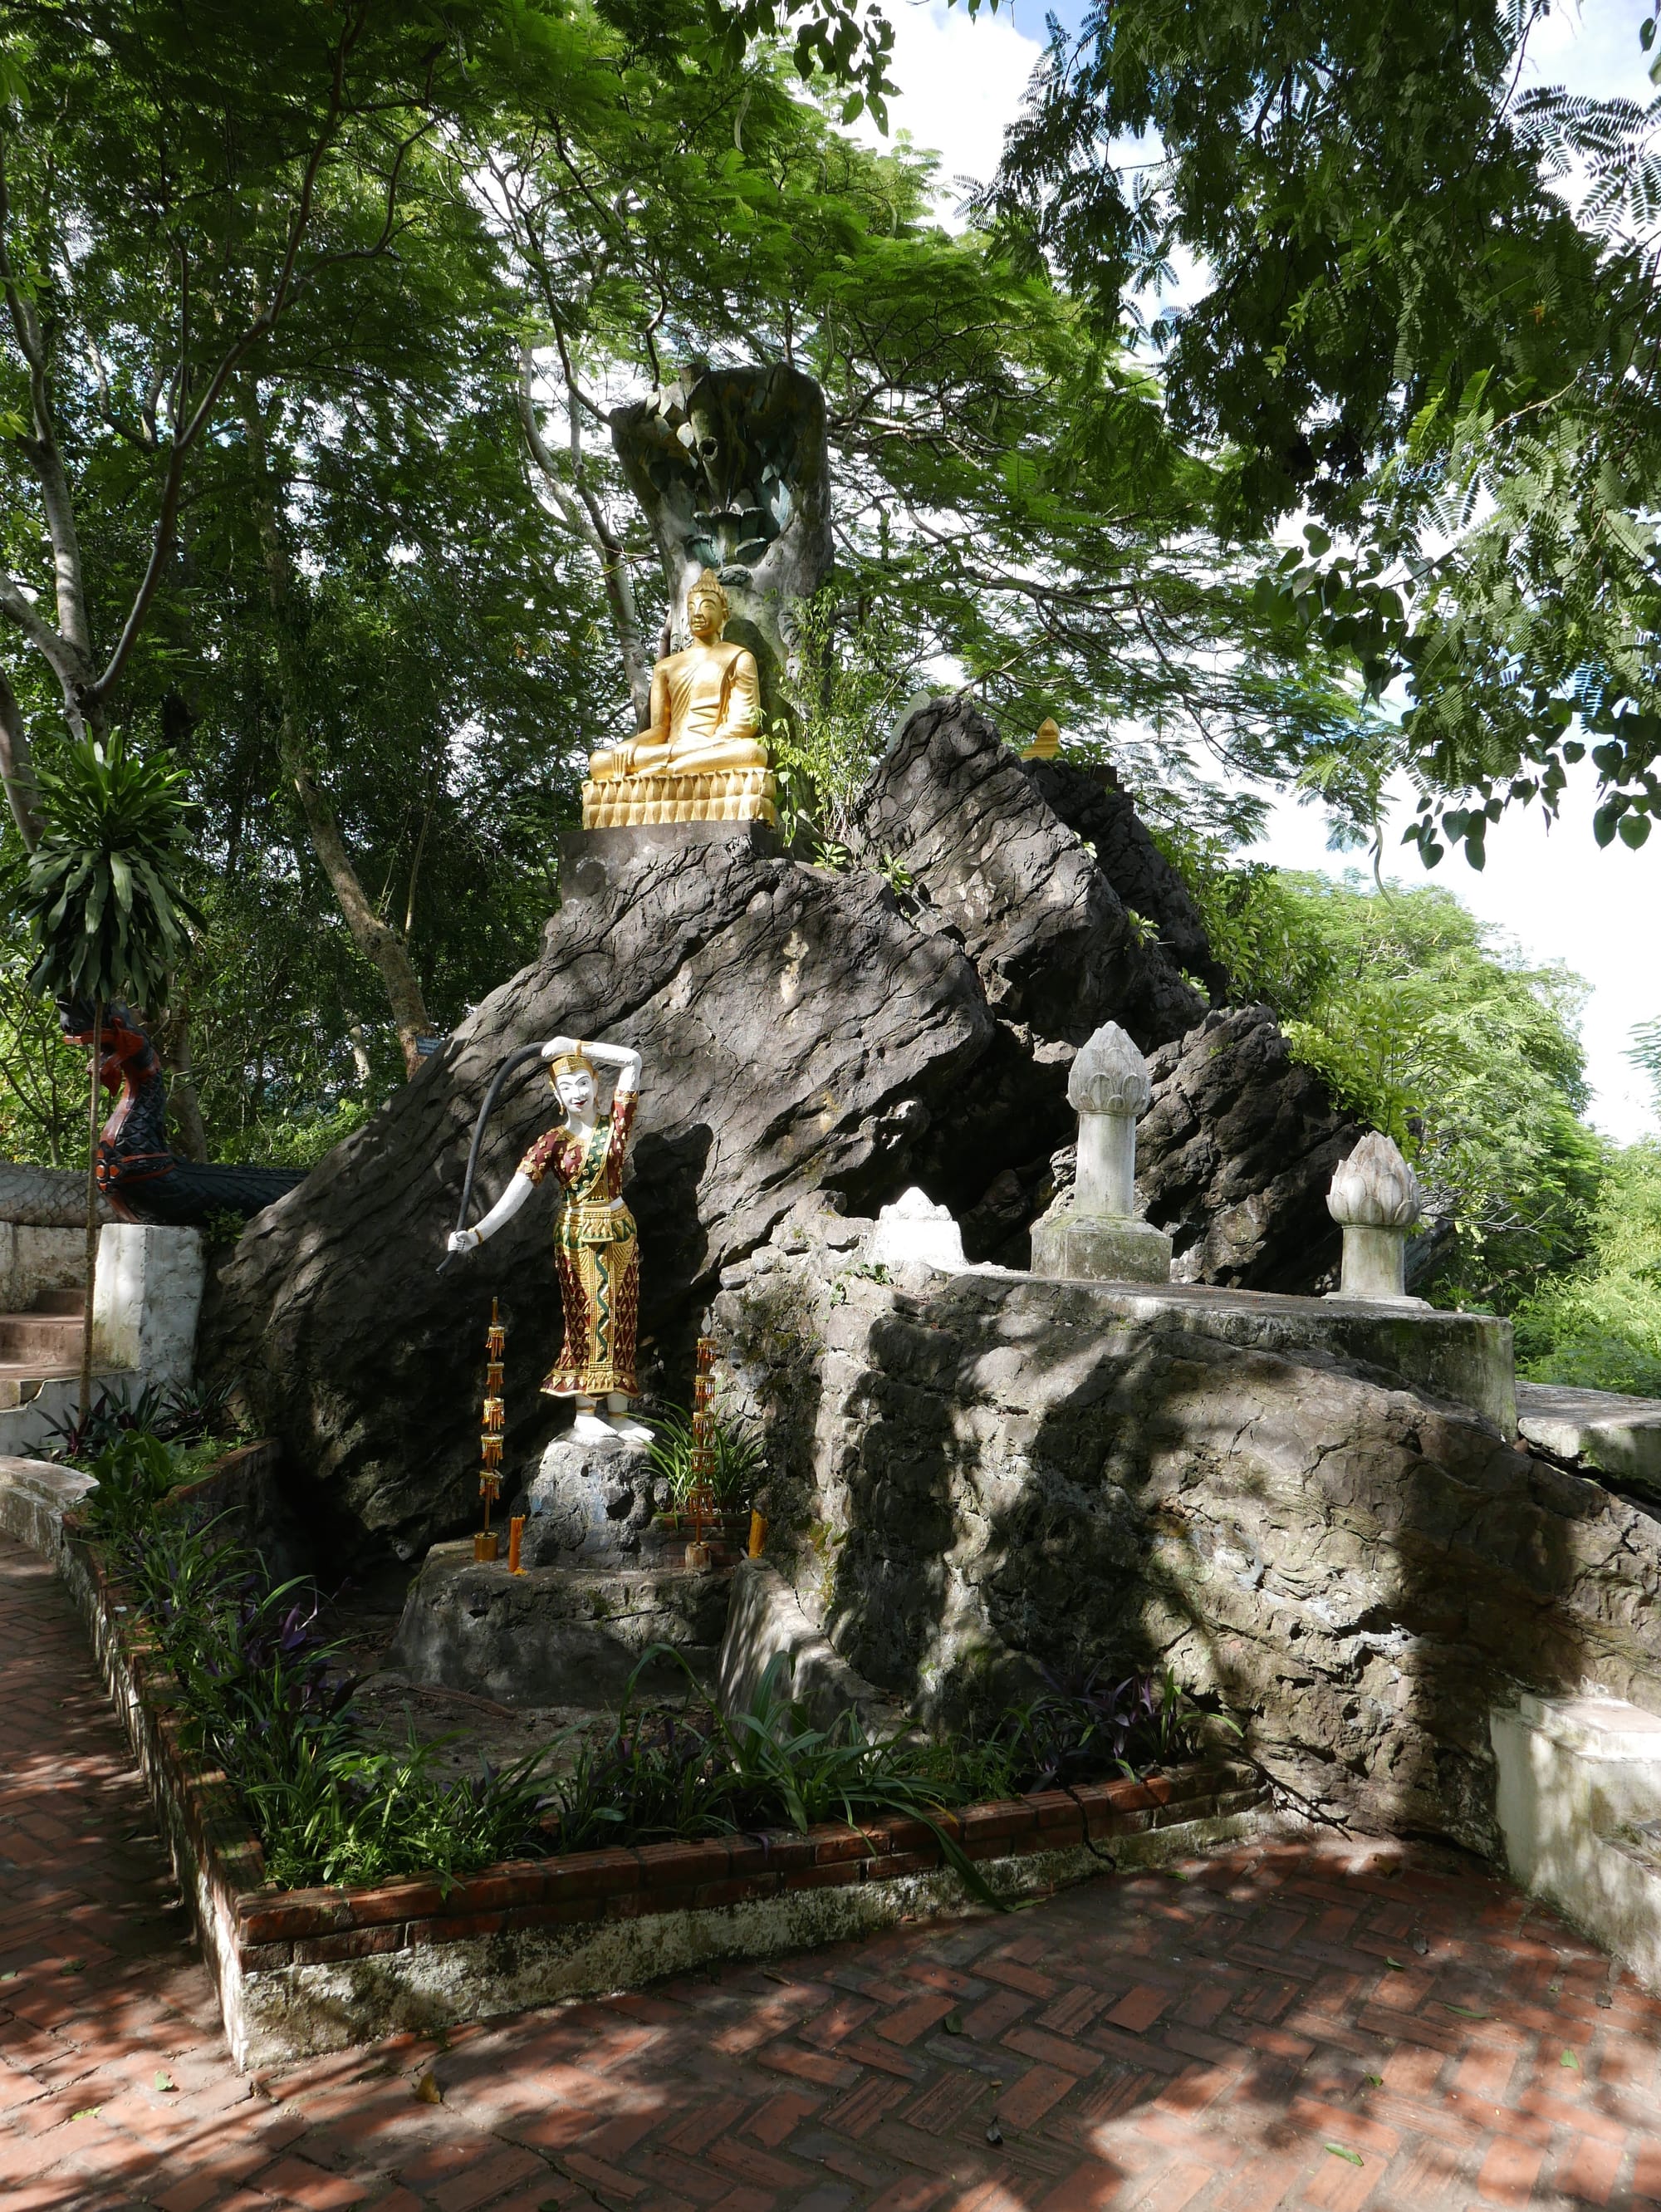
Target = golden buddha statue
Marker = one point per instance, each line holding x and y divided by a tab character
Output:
699	759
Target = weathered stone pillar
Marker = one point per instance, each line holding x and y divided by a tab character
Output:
147	1299
1093	1229
1375	1199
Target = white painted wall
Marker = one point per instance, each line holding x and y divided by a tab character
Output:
147	1300
1579	1807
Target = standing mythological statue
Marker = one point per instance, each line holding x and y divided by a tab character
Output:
596	1255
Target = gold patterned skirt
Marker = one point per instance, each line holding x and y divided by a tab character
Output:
597	1260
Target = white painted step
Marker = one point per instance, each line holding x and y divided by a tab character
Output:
1579	1807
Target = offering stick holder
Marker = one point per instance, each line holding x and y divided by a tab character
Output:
701	1498
488	1542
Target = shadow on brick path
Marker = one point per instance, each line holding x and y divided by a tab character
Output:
1337	2023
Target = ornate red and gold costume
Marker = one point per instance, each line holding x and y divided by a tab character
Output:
595	1254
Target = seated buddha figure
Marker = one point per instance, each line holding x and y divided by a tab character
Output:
706	703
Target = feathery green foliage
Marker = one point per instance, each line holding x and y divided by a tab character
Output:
1430	1028
1599	1327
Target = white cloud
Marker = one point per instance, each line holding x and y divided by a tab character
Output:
962	81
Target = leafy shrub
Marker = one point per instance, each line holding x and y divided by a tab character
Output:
697	1772
1599	1328
663	1773
268	1702
178	1412
302	1139
133	1472
738	1463
1085	1727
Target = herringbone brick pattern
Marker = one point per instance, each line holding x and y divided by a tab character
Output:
1329	2024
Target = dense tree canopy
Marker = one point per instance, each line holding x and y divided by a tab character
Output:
1401	327
316	319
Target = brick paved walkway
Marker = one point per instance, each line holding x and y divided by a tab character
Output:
1329	2024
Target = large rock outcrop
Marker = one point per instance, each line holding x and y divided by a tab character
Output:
802	1031
1056	948
998	1474
1095	806
796	1032
1043	872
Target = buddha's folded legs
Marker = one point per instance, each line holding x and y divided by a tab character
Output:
721	756
632	759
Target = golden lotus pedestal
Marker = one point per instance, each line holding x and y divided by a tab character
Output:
628	802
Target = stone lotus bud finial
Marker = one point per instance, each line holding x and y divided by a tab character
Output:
1375	1197
1374	1186
1109	1076
1093	1229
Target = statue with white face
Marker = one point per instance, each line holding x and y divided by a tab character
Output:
596	1255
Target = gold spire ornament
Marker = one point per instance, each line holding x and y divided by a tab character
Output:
488	1542
700	1497
1046	741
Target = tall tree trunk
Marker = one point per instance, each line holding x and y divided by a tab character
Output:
374	938
17	769
89	1297
172	1037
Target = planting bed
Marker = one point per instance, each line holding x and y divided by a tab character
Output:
300	1972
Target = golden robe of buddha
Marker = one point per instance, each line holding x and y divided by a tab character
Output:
705	704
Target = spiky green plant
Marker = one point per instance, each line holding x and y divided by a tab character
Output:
103	895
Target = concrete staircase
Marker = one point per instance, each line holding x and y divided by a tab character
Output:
42	1346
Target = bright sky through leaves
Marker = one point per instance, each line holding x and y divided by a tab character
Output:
1562	899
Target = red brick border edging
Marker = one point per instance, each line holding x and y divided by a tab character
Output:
303	1971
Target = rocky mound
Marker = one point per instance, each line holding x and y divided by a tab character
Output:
801	1030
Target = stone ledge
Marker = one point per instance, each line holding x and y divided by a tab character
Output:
303	1971
1457	1358
1618	1435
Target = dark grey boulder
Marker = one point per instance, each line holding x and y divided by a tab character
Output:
1095	806
804	1032
1056	949
1235	1157
798	1032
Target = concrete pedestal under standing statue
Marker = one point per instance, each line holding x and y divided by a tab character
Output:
1095	1230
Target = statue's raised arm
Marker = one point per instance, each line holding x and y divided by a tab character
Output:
596	1255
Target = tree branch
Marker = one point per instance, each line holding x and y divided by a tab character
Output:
586	516
66	664
167	516
17	768
42	449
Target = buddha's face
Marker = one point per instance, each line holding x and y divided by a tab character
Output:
705	617
575	1092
